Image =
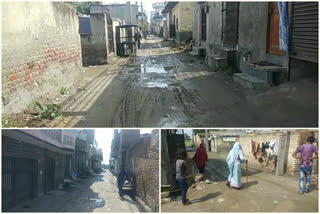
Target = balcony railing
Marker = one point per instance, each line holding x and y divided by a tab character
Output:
54	134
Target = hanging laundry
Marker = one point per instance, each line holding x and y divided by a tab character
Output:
253	146
267	145
263	148
259	153
273	147
283	26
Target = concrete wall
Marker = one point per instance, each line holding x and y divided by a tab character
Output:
94	46
183	12
213	32
41	52
196	28
127	12
253	33
214	27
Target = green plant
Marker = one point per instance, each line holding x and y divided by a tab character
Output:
5	123
49	111
63	90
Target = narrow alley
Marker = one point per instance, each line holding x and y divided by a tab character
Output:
92	194
76	170
165	86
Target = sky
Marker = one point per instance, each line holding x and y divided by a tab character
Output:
188	132
104	138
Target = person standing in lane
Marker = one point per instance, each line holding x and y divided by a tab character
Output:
306	162
181	170
201	157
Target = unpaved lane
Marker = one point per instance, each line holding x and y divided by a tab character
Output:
265	193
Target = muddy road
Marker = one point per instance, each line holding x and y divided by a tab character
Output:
164	86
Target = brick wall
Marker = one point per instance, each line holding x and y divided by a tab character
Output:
296	138
41	51
143	164
245	142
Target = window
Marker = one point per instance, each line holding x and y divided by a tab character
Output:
177	24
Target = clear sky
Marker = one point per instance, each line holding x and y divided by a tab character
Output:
188	132
104	138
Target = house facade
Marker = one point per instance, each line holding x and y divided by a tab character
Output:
244	36
35	162
127	12
179	23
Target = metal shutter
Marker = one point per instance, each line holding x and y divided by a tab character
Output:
304	31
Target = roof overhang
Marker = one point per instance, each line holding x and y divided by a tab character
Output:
169	6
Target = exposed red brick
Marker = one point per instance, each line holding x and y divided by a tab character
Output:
13	77
28	71
26	78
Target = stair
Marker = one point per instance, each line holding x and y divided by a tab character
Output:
248	81
216	62
228	53
262	72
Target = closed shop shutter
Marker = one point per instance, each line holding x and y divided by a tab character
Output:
18	180
304	31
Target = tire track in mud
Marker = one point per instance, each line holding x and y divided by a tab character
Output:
120	116
142	105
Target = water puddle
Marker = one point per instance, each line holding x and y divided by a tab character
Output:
155	85
150	69
93	202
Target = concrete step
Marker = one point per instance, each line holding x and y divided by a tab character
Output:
219	62
262	72
228	53
248	81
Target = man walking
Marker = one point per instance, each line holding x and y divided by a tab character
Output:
181	169
306	161
121	178
138	38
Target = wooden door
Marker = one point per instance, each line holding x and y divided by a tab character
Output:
273	46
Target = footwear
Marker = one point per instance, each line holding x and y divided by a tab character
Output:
228	184
301	193
187	203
